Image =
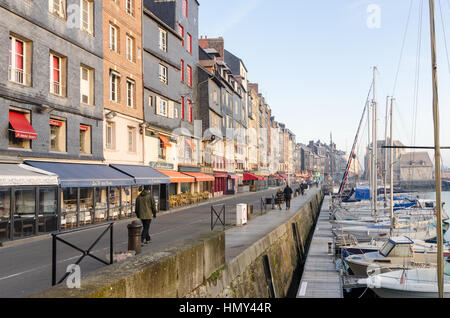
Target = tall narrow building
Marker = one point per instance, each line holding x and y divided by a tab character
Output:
122	80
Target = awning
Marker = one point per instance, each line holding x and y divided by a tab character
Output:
190	143
77	175
284	176
200	177
177	177
21	126
275	176
23	175
250	177
143	175
220	175
233	176
165	141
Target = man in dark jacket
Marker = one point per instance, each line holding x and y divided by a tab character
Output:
145	211
287	196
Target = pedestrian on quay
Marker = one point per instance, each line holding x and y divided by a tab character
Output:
287	196
145	211
279	198
302	188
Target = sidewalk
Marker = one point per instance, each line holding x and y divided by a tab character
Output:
25	266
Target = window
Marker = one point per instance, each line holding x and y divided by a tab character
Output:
163	40
181	33
57	135
162	150
182	70
87	16
86	85
163	107
182	107
19	67
130	49
58	7
189	102
18	139
131	139
114	86
189	76
110	135
85	139
215	96
113	34
130	93
189	43
163	74
185	8
57	75
130	7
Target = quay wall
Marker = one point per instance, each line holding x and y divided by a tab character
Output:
197	268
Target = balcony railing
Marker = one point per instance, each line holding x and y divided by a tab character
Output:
18	76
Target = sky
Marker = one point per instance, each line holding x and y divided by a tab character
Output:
313	61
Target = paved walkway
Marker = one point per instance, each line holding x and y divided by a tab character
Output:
320	278
25	265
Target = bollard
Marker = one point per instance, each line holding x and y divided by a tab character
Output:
134	236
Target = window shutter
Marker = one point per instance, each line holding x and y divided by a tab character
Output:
158	105
170	110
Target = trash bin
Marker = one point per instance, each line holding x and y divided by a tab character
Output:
269	200
241	214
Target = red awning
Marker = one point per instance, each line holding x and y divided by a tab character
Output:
220	174
21	126
250	177
165	141
233	176
284	176
276	176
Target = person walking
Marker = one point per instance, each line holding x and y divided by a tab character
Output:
287	196
279	198
145	211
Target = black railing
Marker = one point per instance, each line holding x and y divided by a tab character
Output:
55	238
263	206
219	212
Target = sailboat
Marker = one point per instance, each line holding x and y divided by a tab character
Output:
421	282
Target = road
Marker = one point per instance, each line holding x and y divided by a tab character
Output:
25	266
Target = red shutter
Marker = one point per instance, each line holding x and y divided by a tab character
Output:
181	33
182	70
55	69
182	107
190	110
19	55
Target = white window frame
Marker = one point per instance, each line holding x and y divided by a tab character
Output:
162	40
114	81
110	127
130	48
129	7
60	11
131	141
56	87
131	88
87	6
163	107
113	38
14	74
86	85
163	74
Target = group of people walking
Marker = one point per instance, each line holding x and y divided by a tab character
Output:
286	195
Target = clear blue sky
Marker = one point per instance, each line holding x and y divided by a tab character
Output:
313	61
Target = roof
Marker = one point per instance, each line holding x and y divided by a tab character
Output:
211	51
416	159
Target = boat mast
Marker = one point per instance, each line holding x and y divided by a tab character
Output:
385	152
374	145
391	170
437	155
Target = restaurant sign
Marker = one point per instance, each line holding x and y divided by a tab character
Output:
161	165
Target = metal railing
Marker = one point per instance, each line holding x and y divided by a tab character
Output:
219	212
56	238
